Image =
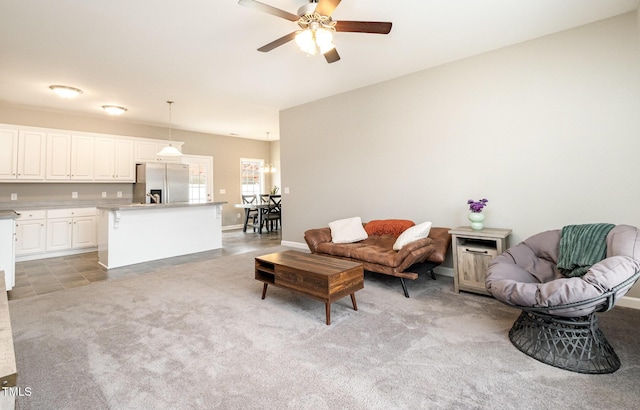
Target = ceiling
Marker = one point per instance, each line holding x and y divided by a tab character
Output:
202	53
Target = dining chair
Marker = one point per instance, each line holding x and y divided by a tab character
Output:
264	200
274	216
250	213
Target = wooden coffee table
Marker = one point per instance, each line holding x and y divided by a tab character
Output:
318	277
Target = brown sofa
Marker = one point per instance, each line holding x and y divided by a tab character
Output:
377	255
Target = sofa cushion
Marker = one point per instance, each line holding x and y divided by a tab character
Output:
412	234
376	254
347	230
388	226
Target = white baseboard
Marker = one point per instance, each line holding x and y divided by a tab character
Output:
444	271
629	301
45	255
232	227
297	245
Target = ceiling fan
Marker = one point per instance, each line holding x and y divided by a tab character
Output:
316	27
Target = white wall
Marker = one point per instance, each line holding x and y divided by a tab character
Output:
547	130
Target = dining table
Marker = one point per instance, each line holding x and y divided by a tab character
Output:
262	210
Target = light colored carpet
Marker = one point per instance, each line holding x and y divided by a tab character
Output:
198	336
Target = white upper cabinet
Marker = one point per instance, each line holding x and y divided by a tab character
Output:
82	158
146	151
58	157
69	157
29	154
113	160
22	155
8	154
125	166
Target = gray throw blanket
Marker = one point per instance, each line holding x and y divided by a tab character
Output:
581	246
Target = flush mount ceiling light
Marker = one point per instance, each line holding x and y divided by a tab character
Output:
114	109
65	92
170	150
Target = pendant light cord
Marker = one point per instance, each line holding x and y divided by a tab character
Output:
170	104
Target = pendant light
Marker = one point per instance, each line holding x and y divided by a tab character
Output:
170	150
269	168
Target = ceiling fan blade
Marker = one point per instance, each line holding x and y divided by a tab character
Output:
326	7
376	27
252	4
277	43
332	56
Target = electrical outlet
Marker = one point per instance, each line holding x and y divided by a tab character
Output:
119	194
286	190
238	215
74	195
104	194
223	191
14	197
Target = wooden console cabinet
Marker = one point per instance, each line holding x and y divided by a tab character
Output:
472	252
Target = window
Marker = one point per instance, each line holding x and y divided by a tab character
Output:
250	176
200	177
197	183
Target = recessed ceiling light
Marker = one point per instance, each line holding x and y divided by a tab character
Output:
66	92
114	109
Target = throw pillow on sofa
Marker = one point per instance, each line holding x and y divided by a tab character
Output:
347	230
388	226
412	234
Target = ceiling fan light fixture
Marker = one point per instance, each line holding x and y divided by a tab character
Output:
306	43
314	40
324	40
114	109
65	91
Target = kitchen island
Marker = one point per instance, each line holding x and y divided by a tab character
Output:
136	233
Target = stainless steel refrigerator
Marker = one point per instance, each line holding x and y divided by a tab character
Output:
161	183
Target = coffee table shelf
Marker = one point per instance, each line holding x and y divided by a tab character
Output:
265	271
318	277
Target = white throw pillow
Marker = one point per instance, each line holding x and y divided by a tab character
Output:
412	234
347	230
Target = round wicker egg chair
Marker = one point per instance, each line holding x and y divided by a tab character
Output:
558	324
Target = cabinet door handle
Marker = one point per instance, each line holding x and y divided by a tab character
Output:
472	251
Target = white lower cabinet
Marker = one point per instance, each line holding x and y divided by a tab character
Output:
31	232
59	231
71	229
85	232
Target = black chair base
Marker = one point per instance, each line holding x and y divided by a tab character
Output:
574	344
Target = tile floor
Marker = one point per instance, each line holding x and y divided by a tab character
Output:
53	274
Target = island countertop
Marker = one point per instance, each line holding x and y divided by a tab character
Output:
129	207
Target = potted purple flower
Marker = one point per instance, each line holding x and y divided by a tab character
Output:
476	216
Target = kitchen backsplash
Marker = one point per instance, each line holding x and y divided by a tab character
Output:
82	194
